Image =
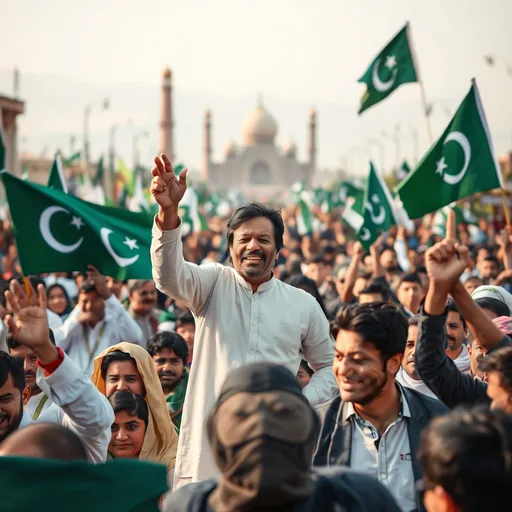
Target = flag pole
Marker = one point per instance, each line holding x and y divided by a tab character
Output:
424	102
505	208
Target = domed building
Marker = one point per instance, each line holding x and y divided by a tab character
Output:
257	167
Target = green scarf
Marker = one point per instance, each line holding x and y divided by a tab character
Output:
175	400
122	485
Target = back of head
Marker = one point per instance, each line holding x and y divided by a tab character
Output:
44	441
380	323
469	454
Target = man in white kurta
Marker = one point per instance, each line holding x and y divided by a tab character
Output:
234	327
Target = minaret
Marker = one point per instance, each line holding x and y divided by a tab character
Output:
166	123
207	144
312	140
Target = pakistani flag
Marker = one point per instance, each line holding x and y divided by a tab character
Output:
75	157
460	164
393	67
192	219
378	214
56	232
56	179
352	198
2	142
403	171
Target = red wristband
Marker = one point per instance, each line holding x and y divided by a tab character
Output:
51	367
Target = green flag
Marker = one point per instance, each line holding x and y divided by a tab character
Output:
403	171
56	232
75	157
352	199
378	214
2	142
460	164
393	67
100	171
56	179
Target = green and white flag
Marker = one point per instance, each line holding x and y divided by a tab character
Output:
2	142
461	163
393	67
56	179
403	171
352	199
57	232
138	202
193	220
93	191
378	214
75	157
304	217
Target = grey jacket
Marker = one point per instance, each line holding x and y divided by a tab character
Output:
335	440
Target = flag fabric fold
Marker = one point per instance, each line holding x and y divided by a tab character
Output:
461	163
57	232
56	179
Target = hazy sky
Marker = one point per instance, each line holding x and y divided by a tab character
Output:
296	53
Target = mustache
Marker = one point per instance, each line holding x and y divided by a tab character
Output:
148	301
166	374
30	373
451	338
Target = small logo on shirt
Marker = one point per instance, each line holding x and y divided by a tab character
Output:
406	456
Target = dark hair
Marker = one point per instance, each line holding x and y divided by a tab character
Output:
413	321
115	355
468	452
298	281
495	305
35	281
499	362
69	305
315	258
334	329
184	317
379	323
87	287
374	288
412	277
133	404
12	343
305	366
13	366
451	306
251	211
386	248
4	286
492	259
170	340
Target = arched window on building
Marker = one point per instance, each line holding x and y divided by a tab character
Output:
260	174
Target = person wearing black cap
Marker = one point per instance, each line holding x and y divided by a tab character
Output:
262	432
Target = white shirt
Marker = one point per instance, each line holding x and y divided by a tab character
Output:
234	327
387	457
117	326
463	362
37	405
418	385
77	405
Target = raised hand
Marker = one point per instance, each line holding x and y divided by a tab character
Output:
166	188
100	281
358	250
28	321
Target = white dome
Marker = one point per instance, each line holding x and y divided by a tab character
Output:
260	127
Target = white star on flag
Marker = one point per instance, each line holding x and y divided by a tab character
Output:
132	244
441	166
78	222
390	61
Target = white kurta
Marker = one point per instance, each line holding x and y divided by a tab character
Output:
234	327
116	327
77	405
37	403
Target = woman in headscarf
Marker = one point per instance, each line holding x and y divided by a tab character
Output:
58	301
128	367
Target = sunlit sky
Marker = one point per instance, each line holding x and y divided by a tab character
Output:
296	53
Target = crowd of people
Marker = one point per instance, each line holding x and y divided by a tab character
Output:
263	369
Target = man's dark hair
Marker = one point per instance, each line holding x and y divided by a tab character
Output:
12	343
87	287
496	306
251	211
305	366
12	366
499	362
413	321
185	317
374	288
492	259
315	258
386	248
35	281
4	286
115	355
468	453
379	323
412	277
171	341
451	306
133	404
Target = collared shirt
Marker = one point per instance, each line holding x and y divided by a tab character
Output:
117	326
418	385
387	456
235	327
